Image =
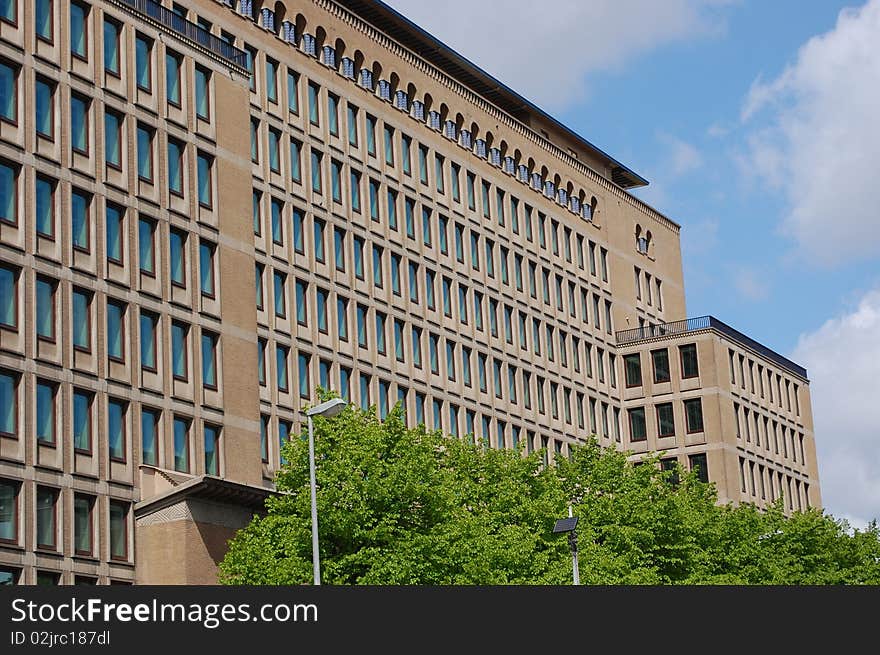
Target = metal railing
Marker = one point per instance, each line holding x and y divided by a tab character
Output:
675	328
188	29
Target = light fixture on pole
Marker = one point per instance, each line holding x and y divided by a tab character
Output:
569	526
327	409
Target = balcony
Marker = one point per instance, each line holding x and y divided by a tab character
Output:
187	29
702	323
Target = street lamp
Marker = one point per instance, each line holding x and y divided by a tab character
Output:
569	525
327	409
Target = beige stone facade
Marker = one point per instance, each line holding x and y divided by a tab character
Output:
416	231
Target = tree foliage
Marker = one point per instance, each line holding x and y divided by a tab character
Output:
411	506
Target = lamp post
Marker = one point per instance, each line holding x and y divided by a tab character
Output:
569	526
327	409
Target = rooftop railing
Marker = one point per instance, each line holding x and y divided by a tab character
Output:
676	328
188	29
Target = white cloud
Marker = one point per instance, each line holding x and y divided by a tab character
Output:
545	51
820	143
751	284
682	156
843	361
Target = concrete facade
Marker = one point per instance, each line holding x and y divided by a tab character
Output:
416	231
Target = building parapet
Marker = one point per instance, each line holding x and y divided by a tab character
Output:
704	323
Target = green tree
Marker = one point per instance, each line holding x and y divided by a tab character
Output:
412	506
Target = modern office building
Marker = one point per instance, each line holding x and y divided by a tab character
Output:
209	208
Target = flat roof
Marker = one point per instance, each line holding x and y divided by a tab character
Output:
399	28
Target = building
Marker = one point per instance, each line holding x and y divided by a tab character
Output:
417	231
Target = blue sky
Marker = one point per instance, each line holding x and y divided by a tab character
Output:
755	123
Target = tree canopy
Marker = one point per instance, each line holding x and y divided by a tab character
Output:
400	505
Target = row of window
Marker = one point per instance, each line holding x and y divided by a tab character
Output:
665	413
653	295
521	218
48	523
117	423
785	442
117	316
770	484
688	365
779	390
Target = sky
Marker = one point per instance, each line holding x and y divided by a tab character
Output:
757	125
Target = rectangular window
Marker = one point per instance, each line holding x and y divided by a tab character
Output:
205	165
116	331
206	268
352	125
276	209
637	428
318	227
316	171
700	466
46	518
116	429
660	359
371	135
177	255
301	290
45	424
281	367
303	361
179	335
665	420
212	450
148	323
79	124
389	144
358	257
83	526
82	421
271	80
79	216
119	530
314	90
45	207
689	365
209	360
181	444
45	309
355	181
111	47
416	347
113	140
633	366
82	320
44	106
295	149
274	150
145	153
150	436
144	62
292	92
693	410
172	77
175	167
79	30
321	310
333	114
8	93
43	18
362	326
336	180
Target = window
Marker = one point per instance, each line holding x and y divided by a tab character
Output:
276	210
79	124
145	153
689	366
700	466
352	125
45	309
45	207
43	23
209	360
212	450
82	421
389	145
693	410
45	427
633	365
177	254
255	142
316	171
392	209
116	429
295	149
380	333
333	114
172	77
111	47
148	325
272	80
362	326
44	106
206	268
371	135
175	167
79	217
143	62
204	167
293	92
82	301
181	444
46	518
8	404
377	266
150	436
660	359
355	191
113	139
8	93
274	150
318	227
637	424
665	420
83	526
300	290
179	335
373	187
342	318
281	367
321	310
79	26
119	530
303	361
314	90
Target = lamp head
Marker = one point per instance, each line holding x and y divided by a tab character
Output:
328	409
